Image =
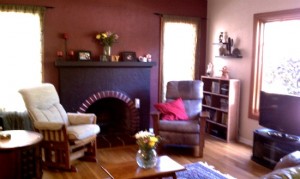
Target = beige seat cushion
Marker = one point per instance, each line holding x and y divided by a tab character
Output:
78	132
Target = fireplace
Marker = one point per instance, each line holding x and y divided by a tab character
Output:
115	111
109	90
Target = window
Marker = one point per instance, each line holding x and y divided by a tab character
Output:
179	42
21	48
276	56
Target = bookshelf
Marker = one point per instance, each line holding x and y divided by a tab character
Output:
221	100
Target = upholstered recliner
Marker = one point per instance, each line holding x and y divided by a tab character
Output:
189	132
66	136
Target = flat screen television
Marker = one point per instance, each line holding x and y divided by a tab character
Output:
281	113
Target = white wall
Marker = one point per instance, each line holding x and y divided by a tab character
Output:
236	18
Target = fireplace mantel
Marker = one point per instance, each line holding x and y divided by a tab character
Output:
64	63
79	80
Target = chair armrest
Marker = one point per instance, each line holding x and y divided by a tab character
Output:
290	172
204	114
155	119
289	160
155	115
48	125
81	118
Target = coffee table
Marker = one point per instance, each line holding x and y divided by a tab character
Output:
166	167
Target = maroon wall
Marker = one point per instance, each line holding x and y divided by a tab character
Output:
133	20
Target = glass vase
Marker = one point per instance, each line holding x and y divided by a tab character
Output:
146	158
107	50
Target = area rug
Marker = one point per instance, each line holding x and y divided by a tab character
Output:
201	170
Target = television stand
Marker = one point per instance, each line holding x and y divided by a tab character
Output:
269	148
283	136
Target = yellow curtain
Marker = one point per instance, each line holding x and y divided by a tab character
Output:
22	41
178	53
24	9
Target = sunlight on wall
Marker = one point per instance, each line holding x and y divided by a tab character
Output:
20	61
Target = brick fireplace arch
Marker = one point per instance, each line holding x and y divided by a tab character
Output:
134	114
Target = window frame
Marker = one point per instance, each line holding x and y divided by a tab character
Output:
259	21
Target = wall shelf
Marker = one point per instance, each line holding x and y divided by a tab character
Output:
225	50
229	56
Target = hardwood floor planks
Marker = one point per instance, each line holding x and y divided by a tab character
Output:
231	158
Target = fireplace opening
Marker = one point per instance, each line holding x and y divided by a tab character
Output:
113	116
116	115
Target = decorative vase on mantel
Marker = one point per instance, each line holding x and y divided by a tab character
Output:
106	53
146	158
107	50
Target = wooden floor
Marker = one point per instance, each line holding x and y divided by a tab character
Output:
230	158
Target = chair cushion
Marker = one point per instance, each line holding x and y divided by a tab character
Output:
182	139
185	89
81	118
191	93
173	110
54	113
189	126
78	132
42	103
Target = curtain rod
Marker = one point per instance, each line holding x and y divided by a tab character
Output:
47	7
161	15
158	14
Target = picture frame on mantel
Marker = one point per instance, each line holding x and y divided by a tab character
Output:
128	56
84	55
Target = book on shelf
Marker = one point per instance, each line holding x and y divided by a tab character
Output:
216	117
224	104
212	115
215	87
207	100
224	118
224	89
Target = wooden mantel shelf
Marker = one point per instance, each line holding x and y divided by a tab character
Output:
64	63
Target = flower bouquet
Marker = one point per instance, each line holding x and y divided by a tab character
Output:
146	156
146	140
107	38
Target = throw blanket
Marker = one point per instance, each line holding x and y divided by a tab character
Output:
15	121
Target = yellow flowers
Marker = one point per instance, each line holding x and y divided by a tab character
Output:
146	140
153	141
107	38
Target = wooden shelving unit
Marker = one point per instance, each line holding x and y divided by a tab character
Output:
221	100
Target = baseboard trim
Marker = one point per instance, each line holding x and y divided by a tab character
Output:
245	141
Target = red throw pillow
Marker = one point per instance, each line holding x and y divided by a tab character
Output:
173	110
